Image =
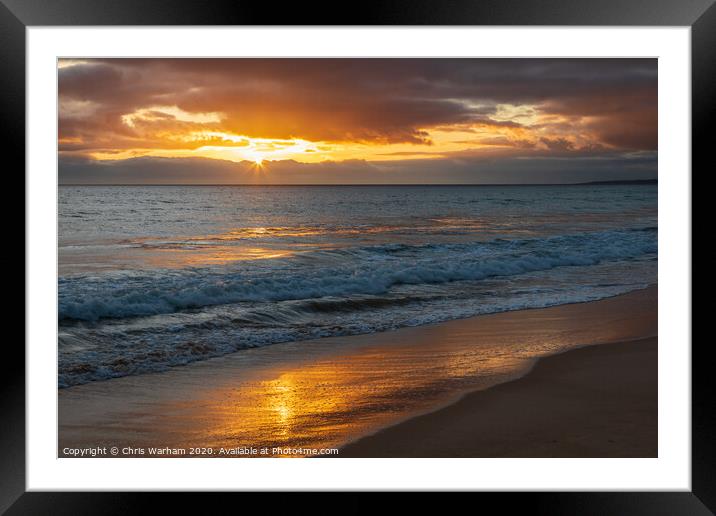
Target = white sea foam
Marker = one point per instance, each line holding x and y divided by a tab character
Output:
371	270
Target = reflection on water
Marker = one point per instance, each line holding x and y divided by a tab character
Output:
208	255
239	243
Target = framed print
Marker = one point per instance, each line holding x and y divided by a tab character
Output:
432	248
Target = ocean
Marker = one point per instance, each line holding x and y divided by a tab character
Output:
153	277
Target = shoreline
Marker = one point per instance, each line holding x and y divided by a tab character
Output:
608	410
337	390
364	335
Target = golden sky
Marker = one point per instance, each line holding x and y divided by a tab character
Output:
318	111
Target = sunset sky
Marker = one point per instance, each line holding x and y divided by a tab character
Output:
356	120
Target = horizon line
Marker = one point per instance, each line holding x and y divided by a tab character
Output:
634	182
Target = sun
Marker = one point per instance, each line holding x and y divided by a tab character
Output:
257	164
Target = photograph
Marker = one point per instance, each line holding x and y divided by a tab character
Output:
357	257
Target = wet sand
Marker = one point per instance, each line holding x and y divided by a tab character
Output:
331	391
599	401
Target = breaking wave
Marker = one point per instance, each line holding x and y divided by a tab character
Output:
370	270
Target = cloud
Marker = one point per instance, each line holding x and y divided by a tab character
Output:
532	167
610	102
557	144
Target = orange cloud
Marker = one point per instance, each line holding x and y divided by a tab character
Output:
313	110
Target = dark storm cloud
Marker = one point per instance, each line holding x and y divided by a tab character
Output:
369	100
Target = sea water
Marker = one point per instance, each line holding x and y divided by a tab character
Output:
152	277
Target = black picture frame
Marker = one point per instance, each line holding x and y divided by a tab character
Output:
17	15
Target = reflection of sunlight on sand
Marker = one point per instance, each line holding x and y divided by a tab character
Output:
322	403
326	392
281	401
333	399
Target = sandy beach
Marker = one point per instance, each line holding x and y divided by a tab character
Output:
599	401
407	390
